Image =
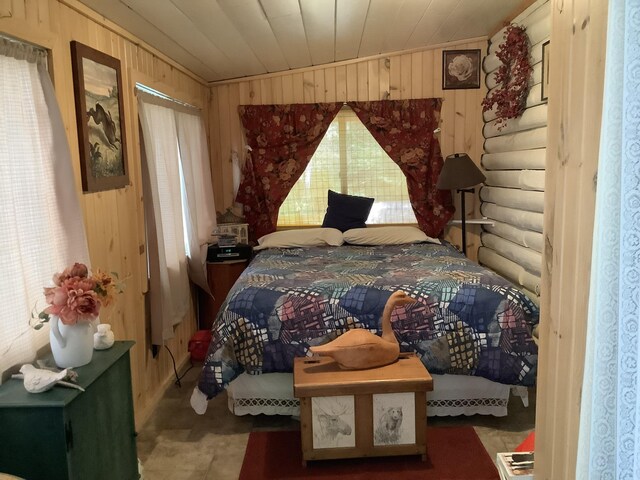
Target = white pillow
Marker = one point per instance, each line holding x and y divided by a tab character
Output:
307	237
387	236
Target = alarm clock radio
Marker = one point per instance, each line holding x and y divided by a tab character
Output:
240	251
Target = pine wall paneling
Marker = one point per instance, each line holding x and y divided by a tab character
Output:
114	219
513	195
578	43
405	75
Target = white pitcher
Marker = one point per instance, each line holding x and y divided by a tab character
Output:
71	345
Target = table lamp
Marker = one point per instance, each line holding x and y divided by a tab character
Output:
460	173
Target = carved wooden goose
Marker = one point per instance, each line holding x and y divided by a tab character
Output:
359	349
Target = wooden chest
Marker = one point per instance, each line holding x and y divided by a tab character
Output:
361	413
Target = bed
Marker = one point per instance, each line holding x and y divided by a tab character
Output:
470	327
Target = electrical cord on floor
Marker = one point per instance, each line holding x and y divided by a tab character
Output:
175	370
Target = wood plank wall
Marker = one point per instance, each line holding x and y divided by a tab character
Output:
415	74
578	41
114	219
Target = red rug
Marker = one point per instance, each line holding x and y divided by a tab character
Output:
454	453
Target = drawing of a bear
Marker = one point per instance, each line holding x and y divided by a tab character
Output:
388	429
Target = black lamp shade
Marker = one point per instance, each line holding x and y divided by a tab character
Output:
459	171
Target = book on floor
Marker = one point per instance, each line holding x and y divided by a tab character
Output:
515	465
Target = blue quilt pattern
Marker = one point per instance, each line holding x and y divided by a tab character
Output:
468	320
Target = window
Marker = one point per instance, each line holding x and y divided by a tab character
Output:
179	216
40	218
348	160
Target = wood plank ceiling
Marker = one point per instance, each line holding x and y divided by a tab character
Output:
224	39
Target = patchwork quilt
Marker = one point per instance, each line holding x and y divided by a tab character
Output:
467	320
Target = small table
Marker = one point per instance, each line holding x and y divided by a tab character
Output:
221	277
66	434
361	413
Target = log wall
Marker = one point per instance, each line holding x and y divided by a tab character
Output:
513	195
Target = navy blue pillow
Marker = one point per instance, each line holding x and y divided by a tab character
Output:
346	211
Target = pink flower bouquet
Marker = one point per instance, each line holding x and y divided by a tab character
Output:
78	297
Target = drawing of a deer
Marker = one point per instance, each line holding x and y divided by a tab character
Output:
331	425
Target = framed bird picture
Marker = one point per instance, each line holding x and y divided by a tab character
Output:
97	83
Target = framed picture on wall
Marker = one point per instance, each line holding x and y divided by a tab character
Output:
460	69
544	90
97	83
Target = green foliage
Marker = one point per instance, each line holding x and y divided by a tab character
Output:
38	319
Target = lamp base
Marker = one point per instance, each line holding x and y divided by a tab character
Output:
463	216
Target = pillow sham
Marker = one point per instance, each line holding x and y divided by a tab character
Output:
395	235
307	237
346	211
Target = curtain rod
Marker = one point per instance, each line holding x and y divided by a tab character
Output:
155	94
8	37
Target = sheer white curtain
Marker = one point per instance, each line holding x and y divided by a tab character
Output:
609	439
41	224
169	281
200	211
174	140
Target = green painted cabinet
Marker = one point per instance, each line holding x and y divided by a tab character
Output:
69	434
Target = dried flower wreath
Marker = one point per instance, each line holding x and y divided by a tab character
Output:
512	77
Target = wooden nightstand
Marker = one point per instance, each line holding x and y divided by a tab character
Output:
221	277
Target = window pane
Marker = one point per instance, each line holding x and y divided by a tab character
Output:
348	160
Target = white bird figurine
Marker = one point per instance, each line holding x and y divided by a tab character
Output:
359	349
38	380
103	338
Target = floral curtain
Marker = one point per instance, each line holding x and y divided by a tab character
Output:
282	139
404	128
